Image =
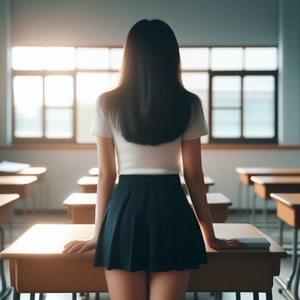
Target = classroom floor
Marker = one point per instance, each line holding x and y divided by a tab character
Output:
22	222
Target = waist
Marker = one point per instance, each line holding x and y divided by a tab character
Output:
146	180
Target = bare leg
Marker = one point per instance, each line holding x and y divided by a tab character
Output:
170	285
123	285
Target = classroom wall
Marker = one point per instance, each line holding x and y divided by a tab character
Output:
196	22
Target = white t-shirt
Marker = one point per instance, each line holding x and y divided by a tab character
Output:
140	159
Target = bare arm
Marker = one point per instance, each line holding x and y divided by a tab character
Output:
193	175
106	182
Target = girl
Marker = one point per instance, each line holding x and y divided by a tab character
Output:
147	236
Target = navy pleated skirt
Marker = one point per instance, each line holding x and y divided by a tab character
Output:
150	226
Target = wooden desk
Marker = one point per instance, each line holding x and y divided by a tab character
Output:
288	211
245	174
6	214
6	207
245	270
219	205
17	184
89	183
40	173
265	185
81	207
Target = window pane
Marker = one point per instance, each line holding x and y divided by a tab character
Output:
259	106
59	123
226	123
28	58
59	91
196	82
89	87
226	91
194	58
60	58
28	124
93	58
227	58
116	55
28	101
261	58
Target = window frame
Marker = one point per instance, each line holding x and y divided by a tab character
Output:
242	139
44	139
209	71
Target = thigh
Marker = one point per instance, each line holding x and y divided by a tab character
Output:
170	285
123	285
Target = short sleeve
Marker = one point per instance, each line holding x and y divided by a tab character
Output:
101	124
197	126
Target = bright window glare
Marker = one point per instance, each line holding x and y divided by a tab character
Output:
59	91
261	58
89	87
54	85
227	58
43	58
93	58
116	56
60	58
194	58
59	123
28	91
28	58
28	101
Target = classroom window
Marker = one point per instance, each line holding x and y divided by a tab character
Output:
55	89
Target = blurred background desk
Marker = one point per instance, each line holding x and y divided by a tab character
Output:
288	211
6	215
81	207
245	174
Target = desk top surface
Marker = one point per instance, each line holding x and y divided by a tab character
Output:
276	179
49	239
292	199
81	199
35	171
89	199
17	180
8	198
267	171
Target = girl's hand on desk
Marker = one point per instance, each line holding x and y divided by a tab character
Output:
226	244
79	246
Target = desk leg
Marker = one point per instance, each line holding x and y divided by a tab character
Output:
237	295
281	224
239	195
265	212
5	290
16	295
269	295
248	198
253	208
289	289
296	283
255	296
294	259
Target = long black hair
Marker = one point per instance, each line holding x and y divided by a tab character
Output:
150	106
